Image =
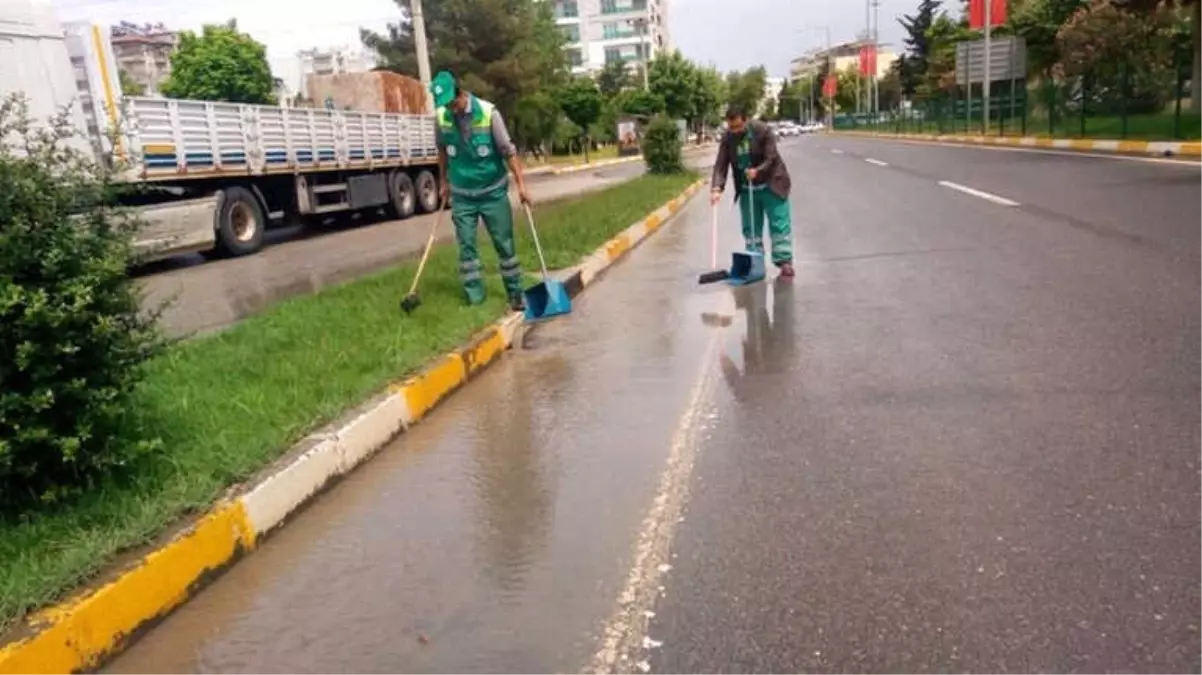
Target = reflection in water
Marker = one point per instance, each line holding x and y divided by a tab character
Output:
769	343
514	491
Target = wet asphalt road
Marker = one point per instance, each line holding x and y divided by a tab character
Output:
964	438
205	296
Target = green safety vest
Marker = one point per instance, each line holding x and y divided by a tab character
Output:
474	166
743	161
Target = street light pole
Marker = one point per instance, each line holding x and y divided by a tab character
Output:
646	56
829	69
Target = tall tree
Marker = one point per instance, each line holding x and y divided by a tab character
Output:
502	50
746	89
220	64
708	97
1037	22
1126	53
581	103
789	101
912	66
613	79
943	35
535	122
674	77
1193	10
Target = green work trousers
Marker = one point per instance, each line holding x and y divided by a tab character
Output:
754	209
494	209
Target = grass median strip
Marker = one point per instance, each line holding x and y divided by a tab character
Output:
227	405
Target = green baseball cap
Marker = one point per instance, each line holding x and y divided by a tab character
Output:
442	88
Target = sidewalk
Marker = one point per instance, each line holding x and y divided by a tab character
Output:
1130	147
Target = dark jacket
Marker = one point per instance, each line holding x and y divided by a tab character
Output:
764	158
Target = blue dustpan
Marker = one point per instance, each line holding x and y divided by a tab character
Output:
746	268
548	298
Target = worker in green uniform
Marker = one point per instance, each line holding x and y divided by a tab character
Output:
475	156
762	184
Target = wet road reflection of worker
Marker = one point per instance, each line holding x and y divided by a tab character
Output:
769	344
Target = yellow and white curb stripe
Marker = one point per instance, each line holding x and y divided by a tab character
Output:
1153	148
595	165
97	623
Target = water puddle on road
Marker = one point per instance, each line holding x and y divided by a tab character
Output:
497	534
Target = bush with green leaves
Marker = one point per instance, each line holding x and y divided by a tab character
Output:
662	146
72	338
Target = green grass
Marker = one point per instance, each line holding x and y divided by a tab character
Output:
227	405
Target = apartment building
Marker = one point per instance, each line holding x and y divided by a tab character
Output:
843	55
143	53
334	61
604	31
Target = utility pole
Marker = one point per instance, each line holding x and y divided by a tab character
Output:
419	42
646	47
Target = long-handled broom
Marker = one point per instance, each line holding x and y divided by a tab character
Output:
412	300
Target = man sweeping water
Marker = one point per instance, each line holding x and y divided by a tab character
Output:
475	156
748	150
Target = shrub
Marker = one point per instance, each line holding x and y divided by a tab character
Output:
72	340
662	146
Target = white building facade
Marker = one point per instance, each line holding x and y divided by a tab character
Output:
603	31
335	61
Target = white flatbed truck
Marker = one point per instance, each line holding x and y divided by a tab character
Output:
215	175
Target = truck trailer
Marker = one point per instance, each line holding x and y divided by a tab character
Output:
214	176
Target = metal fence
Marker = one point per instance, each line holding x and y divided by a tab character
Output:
1122	101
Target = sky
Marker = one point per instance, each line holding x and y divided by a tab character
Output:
740	34
730	34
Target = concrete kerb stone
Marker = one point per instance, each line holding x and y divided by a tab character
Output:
1109	146
99	621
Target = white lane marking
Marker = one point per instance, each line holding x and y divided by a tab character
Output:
875	161
978	193
1183	162
836	151
626	630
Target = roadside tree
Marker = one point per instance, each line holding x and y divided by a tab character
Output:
501	50
220	64
580	101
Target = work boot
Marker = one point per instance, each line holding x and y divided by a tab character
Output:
786	269
516	303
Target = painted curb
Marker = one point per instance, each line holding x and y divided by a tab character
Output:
1151	148
97	623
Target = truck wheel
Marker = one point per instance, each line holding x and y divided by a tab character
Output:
240	223
402	196
427	192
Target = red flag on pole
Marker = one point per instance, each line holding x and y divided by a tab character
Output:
976	13
868	60
830	86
